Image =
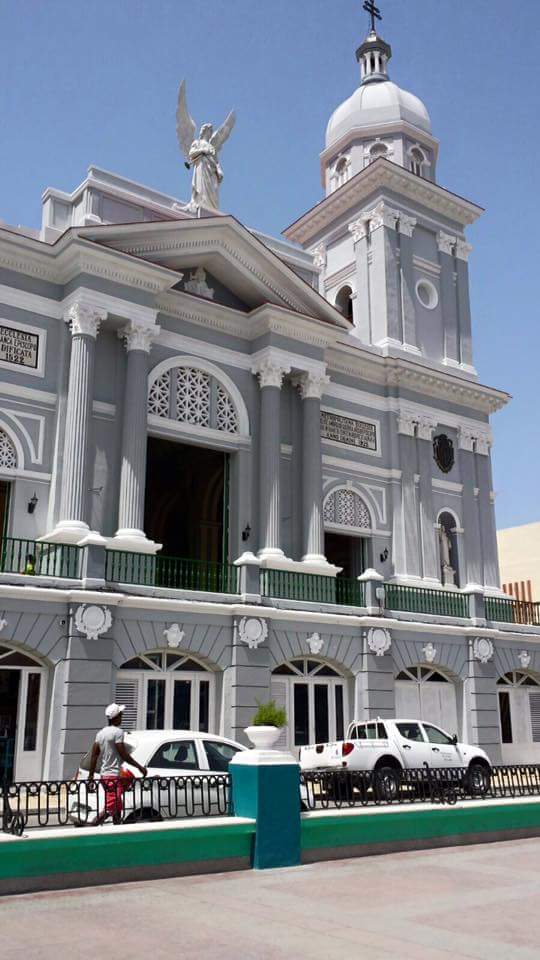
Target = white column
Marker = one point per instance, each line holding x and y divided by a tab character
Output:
130	535
84	321
311	390
270	373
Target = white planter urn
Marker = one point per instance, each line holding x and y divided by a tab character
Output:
263	738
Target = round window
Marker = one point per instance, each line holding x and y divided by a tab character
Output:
427	294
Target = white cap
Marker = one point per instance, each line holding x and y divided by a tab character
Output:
114	709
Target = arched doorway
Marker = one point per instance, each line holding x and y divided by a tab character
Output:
347	528
23	690
166	690
519	716
426	693
314	695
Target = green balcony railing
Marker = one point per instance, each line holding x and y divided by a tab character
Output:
439	603
510	610
175	573
37	558
311	587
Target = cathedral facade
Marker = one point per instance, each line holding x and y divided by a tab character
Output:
235	467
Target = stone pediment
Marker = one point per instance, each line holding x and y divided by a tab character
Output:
239	262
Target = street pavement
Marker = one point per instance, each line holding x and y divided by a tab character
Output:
453	904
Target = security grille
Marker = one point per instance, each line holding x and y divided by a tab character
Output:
345	508
193	396
8	454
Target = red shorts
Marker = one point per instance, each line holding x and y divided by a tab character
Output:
114	792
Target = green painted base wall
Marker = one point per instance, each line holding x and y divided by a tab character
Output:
319	833
78	853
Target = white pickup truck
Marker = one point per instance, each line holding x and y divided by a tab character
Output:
388	746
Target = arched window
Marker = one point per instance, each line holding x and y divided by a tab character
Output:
345	508
166	689
314	695
193	396
344	301
341	172
418	160
8	453
378	150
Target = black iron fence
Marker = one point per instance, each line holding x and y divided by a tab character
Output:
59	803
325	789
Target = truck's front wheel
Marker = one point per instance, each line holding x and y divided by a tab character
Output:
386	782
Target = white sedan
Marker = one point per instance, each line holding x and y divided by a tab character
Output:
186	776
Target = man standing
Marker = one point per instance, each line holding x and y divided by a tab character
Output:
109	744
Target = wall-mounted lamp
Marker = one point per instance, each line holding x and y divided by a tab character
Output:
246	532
32	503
385	554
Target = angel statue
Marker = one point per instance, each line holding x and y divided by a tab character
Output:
202	154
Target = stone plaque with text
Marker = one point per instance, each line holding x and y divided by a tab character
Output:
356	433
19	347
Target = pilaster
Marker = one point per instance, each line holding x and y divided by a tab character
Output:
409	506
473	572
448	279
430	558
270	373
311	389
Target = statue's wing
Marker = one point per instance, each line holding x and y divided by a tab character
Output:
224	132
185	124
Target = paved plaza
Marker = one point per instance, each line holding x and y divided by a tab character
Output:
470	902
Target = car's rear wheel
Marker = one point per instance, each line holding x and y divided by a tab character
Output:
386	782
478	780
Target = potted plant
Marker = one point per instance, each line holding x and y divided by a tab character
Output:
266	725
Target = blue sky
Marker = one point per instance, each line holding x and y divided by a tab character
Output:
96	82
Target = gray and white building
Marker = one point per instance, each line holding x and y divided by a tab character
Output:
235	467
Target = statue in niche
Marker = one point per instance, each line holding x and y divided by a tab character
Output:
447	570
201	154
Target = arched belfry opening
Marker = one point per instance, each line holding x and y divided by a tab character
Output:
344	301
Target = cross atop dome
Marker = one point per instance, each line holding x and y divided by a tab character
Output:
374	54
374	13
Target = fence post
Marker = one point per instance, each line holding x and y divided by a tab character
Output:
477	605
93	559
266	787
372	580
248	566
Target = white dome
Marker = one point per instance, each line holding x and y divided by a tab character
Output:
375	103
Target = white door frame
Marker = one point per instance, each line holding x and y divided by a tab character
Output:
28	764
169	677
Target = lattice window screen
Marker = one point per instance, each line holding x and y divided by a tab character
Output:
193	396
347	509
159	396
534	703
8	454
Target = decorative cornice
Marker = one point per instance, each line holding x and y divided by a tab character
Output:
84	319
381	174
270	372
138	336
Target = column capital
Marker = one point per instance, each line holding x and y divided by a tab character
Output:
446	242
382	216
406	424
463	249
426	426
483	444
466	439
359	228
139	336
406	224
270	372
84	319
312	385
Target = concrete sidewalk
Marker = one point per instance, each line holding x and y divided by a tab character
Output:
454	904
